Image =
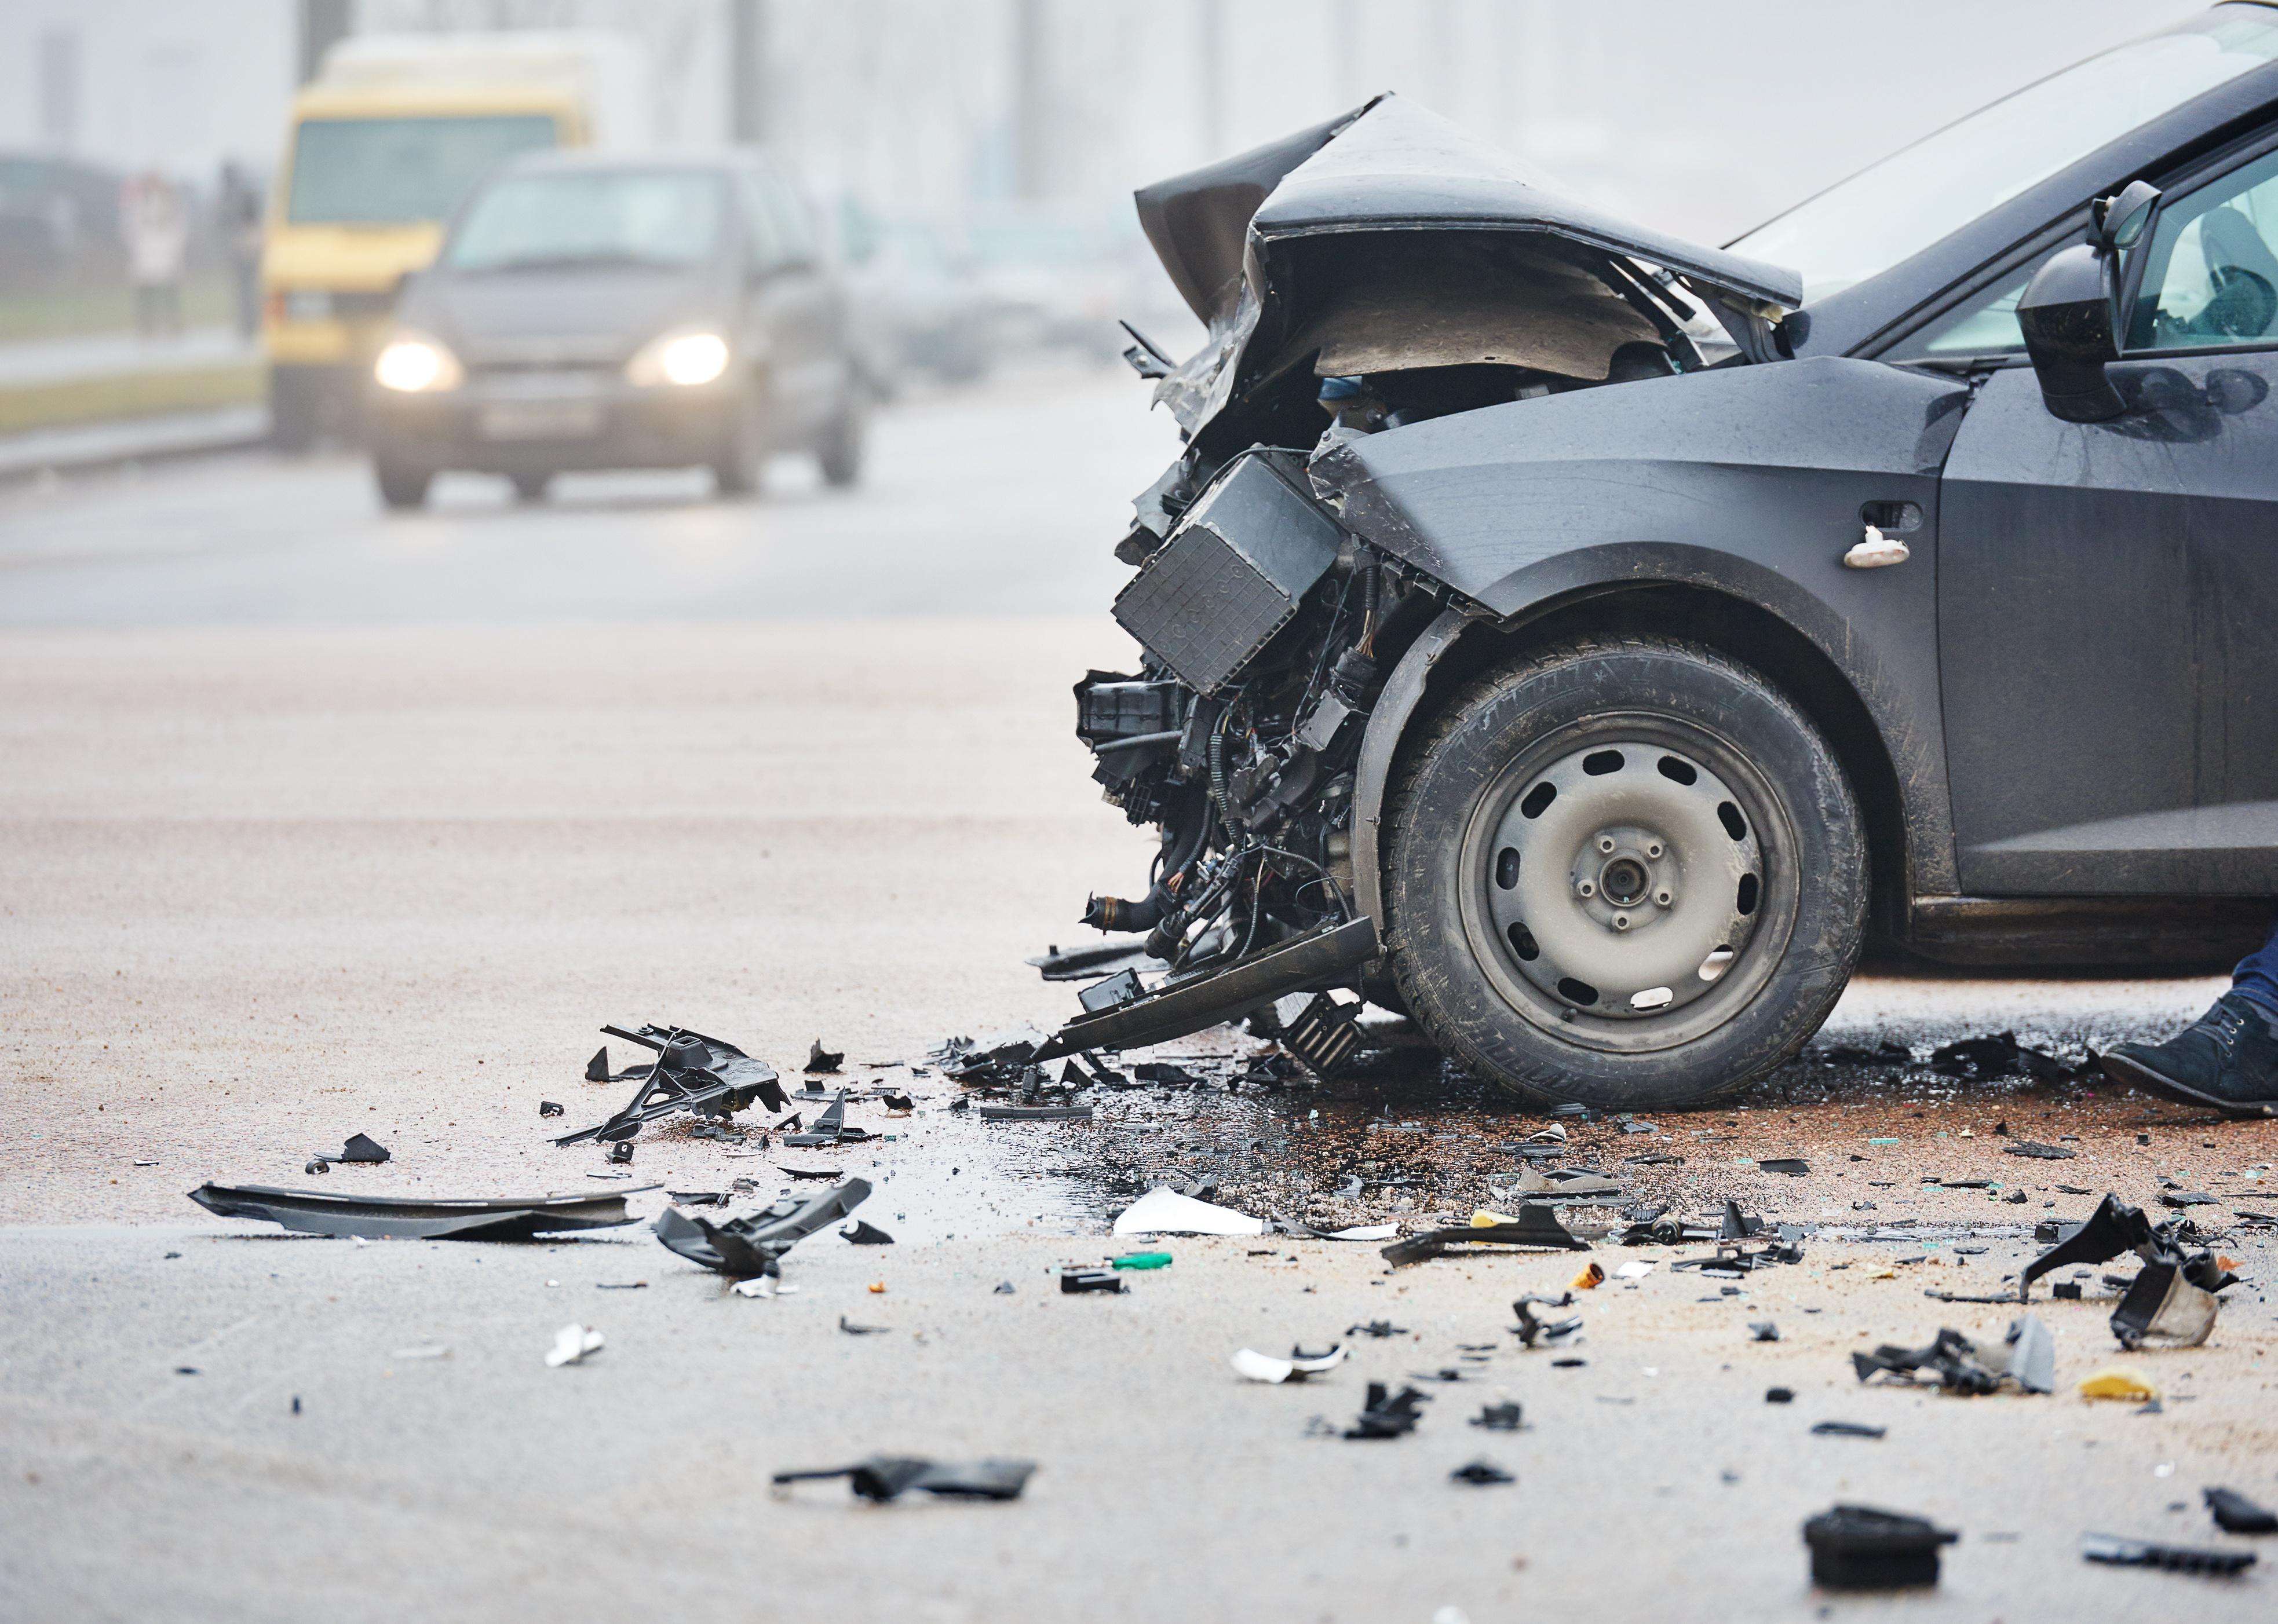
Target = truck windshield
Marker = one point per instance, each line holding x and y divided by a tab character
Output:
608	216
1891	212
397	172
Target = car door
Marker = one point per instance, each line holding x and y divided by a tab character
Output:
2108	592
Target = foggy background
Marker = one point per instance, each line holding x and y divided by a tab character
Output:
1704	120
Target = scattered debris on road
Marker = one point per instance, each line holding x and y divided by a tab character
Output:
572	1344
2172	1301
1255	1367
2026	1357
691	1072
748	1247
2124	1552
373	1218
1163	1211
885	1477
1480	1474
2235	1513
820	1059
1388	1415
863	1233
359	1147
1535	1227
1860	1548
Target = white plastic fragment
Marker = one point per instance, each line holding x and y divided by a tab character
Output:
1163	1211
426	1350
1634	1269
1255	1367
571	1344
1366	1232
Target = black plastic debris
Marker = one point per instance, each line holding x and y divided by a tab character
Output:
313	1212
691	1072
2026	1357
1860	1548
883	1477
1794	1167
1164	1071
1325	1035
863	1234
1779	1395
853	1329
2172	1302
807	1172
820	1059
2123	1552
1035	1113
748	1247
1075	1280
1481	1473
1763	1330
698	1198
1377	1328
1531	1328
997	1062
1846	1429
2187	1198
829	1127
2066	1289
1978	1059
597	1069
622	1151
2235	1513
2045	1153
1498	1418
1005	1288
1388	1415
1883	1054
547	1107
1110	993
1535	1226
894	1101
359	1147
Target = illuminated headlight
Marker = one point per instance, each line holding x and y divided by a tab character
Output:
683	358
413	363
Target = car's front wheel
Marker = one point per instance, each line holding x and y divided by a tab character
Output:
1625	871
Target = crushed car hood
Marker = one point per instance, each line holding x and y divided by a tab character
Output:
1301	242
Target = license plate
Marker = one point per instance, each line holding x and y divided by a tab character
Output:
539	419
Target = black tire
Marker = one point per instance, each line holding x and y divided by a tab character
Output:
530	487
742	462
402	485
1492	907
841	449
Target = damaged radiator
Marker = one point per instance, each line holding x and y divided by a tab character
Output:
1233	574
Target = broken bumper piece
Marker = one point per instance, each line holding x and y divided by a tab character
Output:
313	1212
1535	1226
1859	1547
2123	1552
744	1247
885	1477
691	1072
1183	1007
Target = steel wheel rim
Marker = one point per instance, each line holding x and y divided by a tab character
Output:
1557	902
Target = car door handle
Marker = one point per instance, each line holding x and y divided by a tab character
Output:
1877	551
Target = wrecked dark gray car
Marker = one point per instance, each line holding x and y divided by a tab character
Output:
1583	640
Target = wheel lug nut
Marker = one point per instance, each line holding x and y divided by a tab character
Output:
1605	842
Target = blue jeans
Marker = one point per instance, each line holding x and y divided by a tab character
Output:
2257	975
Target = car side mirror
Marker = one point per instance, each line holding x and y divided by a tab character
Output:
2070	315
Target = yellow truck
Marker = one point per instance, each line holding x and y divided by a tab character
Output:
382	146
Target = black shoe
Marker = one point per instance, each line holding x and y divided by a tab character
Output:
2228	1059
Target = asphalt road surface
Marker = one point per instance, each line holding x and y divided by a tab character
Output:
319	821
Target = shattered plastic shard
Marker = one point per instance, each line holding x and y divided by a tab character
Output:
1481	1473
821	1059
547	1107
572	1344
1163	1211
597	1069
2046	1152
381	1217
1860	1548
882	1477
1255	1367
2118	1382
1076	1280
1763	1330
1535	1226
864	1234
2235	1513
691	1072
2164	1309
743	1247
1634	1269
1388	1417
1530	1329
1377	1328
853	1329
1498	1418
2124	1552
1794	1167
1846	1429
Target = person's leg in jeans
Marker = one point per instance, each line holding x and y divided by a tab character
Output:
2228	1058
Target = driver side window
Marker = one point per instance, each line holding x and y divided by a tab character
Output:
2212	275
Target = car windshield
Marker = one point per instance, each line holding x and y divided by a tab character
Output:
1929	190
399	172
574	219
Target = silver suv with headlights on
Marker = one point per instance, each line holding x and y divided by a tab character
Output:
590	312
